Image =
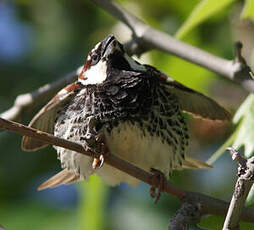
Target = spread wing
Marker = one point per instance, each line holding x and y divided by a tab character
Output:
45	118
196	103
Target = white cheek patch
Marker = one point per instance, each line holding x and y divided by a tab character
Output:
133	64
95	74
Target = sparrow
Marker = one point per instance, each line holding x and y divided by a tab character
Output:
119	106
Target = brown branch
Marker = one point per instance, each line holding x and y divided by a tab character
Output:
111	160
144	38
243	185
208	205
27	102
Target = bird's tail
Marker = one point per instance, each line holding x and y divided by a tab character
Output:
190	163
63	177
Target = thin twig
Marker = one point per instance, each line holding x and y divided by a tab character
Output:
111	159
243	185
208	205
146	38
26	102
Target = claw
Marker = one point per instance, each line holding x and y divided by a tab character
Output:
101	160
96	144
95	163
99	138
157	175
152	191
98	162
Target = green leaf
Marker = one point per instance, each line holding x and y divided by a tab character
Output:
92	206
250	198
202	11
244	117
243	134
248	10
212	222
216	223
187	73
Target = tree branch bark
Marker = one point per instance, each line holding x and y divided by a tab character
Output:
26	102
243	185
144	38
207	204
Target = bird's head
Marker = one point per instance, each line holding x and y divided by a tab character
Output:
107	55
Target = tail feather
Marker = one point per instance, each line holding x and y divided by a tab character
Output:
63	177
190	163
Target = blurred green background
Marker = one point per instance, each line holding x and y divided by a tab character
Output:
41	41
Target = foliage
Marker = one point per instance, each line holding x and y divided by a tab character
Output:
244	118
248	10
55	37
202	12
92	206
244	134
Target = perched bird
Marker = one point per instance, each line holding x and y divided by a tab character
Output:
119	106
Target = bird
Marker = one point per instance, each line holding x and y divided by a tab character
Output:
120	106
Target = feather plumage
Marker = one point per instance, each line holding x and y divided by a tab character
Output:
44	120
137	110
63	177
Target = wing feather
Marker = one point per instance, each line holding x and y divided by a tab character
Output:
44	120
196	103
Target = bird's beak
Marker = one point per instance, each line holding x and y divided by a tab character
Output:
109	45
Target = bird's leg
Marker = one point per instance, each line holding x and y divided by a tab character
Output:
102	149
157	175
95	143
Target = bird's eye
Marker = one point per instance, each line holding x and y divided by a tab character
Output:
95	59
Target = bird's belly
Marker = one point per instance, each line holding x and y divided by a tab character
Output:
131	143
139	147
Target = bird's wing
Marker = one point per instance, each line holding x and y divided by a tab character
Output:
63	177
45	118
196	103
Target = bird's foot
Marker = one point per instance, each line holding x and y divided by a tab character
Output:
102	149
157	176
96	144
